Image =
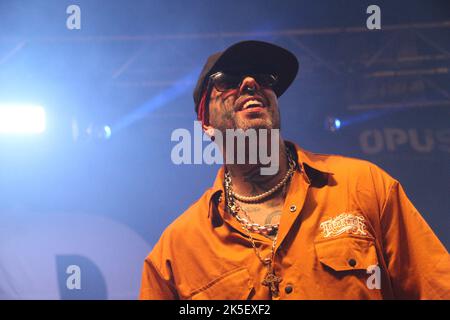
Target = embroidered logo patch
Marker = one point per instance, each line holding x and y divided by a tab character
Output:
345	222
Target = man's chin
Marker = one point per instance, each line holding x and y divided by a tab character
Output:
255	124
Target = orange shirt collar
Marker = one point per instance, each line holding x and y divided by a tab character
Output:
306	158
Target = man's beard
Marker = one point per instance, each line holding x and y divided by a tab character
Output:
271	122
254	124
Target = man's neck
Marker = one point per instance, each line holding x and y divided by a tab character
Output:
248	180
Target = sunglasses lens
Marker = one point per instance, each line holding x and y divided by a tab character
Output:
265	80
224	82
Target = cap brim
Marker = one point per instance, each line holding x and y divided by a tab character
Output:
258	56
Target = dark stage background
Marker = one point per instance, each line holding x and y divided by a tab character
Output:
98	187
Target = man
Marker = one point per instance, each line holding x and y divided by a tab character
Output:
321	227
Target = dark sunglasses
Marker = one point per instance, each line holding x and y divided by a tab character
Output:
223	82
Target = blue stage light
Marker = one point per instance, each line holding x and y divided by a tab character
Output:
107	132
337	123
333	124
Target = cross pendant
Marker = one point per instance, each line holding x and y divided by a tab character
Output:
271	280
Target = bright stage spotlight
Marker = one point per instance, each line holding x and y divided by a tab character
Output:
333	124
107	130
22	119
337	123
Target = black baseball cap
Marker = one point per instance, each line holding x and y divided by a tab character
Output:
253	57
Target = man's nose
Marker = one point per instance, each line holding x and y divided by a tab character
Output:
249	85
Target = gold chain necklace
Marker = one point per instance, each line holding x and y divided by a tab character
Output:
266	229
271	280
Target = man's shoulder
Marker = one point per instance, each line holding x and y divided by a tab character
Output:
361	181
350	166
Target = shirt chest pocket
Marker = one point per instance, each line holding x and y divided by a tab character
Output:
347	253
233	285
